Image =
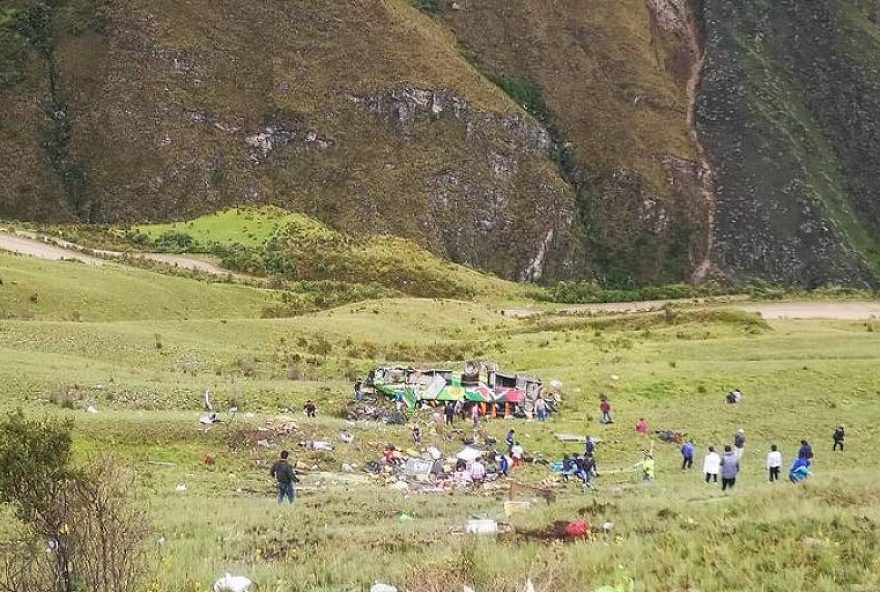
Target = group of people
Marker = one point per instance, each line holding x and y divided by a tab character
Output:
728	464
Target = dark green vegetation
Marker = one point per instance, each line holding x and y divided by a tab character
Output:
556	141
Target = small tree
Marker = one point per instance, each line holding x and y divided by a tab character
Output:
77	531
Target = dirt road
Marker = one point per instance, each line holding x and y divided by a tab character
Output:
61	250
769	310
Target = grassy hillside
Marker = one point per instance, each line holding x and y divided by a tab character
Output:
71	291
147	377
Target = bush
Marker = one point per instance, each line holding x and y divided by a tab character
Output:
76	531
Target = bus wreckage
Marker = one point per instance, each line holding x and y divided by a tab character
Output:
500	393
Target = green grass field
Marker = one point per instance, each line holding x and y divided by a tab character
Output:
144	353
245	226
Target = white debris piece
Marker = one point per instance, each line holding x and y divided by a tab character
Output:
92	410
181	488
230	583
380	587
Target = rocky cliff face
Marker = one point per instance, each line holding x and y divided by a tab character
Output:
636	141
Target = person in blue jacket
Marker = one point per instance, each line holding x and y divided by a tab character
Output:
687	455
800	470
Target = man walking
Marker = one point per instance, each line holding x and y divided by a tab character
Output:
806	451
285	477
839	436
449	412
687	455
712	465
774	462
739	443
729	469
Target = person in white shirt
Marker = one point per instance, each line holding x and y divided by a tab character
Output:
712	465
517	453
478	471
774	462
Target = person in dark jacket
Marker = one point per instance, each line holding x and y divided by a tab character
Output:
839	436
729	468
510	440
739	443
285	477
806	451
449	412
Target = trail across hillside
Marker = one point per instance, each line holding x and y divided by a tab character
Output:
769	311
61	250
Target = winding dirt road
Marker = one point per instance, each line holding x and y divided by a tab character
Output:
58	250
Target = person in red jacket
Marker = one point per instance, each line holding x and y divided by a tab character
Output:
642	426
605	409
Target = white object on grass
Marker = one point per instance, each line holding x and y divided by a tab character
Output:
230	583
380	587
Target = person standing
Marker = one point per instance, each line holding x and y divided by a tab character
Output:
774	462
285	477
839	436
805	451
729	469
687	455
712	465
358	390
517	453
541	409
511	440
605	410
416	435
449	412
648	466
739	443
475	415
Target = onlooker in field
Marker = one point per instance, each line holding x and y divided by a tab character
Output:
475	415
729	469
642	426
504	464
839	436
648	466
449	412
605	410
774	462
712	465
569	467
586	469
310	408
800	470
416	435
541	409
358	390
805	451
478	471
687	455
590	446
285	477
739	443
517	453
511	440
459	409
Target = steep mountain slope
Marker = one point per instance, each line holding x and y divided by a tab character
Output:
126	110
790	112
635	141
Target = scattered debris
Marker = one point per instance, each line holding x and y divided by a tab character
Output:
210	419
317	445
380	587
511	508
230	583
91	409
346	437
481	526
181	488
